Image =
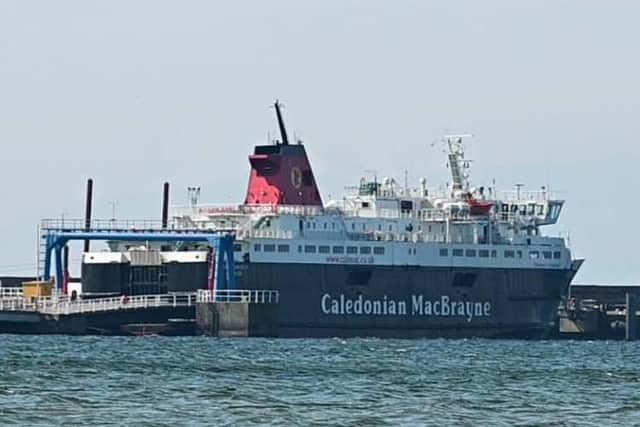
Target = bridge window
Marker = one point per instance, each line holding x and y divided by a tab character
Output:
534	255
519	253
444	252
546	254
470	253
310	249
283	248
323	249
237	247
269	247
378	250
509	254
483	253
458	252
557	255
365	250
352	249
257	247
494	253
338	249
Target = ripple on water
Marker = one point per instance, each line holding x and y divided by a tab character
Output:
201	381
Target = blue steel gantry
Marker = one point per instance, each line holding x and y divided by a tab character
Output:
220	243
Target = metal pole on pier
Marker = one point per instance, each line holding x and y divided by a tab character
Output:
165	205
631	324
87	212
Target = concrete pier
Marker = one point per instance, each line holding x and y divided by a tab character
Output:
237	319
600	312
237	313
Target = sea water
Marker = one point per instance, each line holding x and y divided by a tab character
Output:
158	381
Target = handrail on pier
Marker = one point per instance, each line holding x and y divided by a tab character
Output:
238	295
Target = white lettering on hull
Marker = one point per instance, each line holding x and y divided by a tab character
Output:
420	306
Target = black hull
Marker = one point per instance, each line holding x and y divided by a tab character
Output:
453	302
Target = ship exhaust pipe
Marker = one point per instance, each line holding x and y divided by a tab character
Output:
165	205
87	211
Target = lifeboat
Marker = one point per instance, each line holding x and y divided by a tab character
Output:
479	207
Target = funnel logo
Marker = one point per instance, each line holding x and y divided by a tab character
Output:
296	177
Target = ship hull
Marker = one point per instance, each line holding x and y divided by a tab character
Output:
320	300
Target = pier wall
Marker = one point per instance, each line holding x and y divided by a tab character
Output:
237	319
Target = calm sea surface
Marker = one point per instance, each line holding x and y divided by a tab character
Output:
59	380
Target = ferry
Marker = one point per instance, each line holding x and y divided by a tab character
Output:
385	260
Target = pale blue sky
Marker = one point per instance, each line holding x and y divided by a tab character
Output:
135	93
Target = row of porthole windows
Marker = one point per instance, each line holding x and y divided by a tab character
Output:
486	253
312	225
322	249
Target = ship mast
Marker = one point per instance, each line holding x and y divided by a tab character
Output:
283	130
457	162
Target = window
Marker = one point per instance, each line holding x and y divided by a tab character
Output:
519	253
458	252
323	249
308	224
557	255
444	252
353	225
494	253
547	254
325	225
378	250
299	248
406	205
310	249
534	255
483	253
470	253
338	249
257	247
509	254
269	247
352	249
237	247
283	248
365	250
